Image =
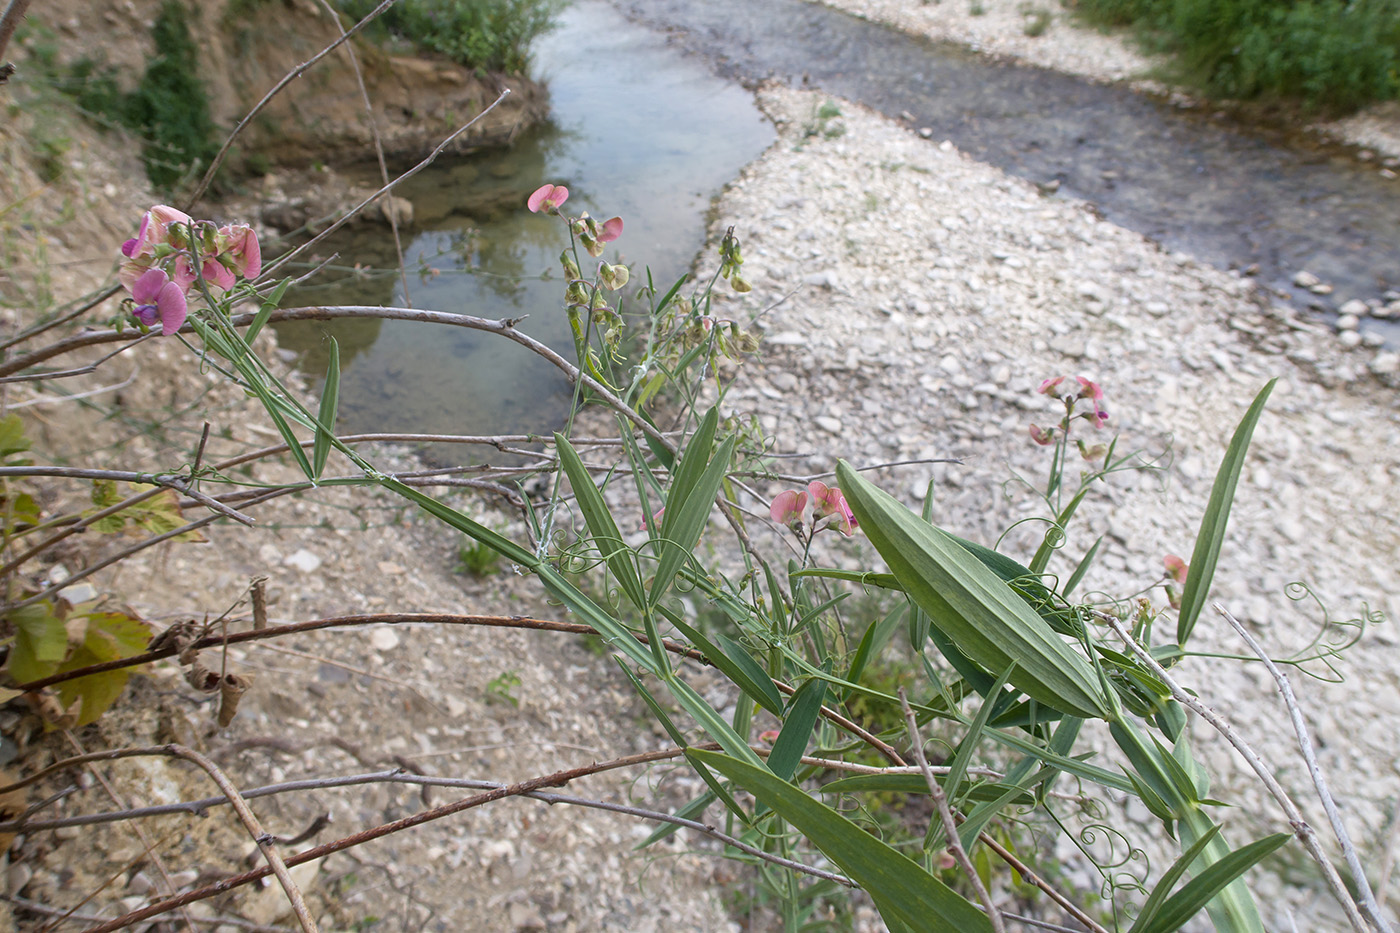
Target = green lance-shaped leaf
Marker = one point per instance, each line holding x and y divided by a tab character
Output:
802	716
269	305
908	897
1212	533
734	662
697	482
971	605
325	419
600	522
1200	890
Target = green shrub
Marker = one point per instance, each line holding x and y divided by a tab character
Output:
171	108
488	35
1329	54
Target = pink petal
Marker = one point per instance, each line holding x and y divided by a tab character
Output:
172	307
787	506
1176	568
146	288
183	275
611	230
217	275
129	248
547	198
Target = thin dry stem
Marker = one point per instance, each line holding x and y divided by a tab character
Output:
1300	730
945	816
1300	826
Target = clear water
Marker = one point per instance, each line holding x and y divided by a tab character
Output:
638	130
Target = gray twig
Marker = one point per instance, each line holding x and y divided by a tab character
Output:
1300	729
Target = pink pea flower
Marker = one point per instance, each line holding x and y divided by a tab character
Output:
655	522
155	228
787	507
1042	436
547	198
828	501
218	275
1092	391
158	298
1051	387
768	737
610	230
1176	568
240	250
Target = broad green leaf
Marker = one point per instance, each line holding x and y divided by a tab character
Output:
12	439
330	403
803	712
903	891
976	609
734	662
1217	517
1200	890
600	522
41	642
110	637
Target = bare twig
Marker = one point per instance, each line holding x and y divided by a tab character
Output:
276	89
1300	826
945	816
9	22
250	822
47	911
1300	729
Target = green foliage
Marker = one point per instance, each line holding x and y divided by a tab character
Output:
1332	54
477	560
498	688
171	108
488	35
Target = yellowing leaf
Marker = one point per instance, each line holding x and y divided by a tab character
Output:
41	642
110	637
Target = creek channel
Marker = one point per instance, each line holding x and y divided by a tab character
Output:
643	130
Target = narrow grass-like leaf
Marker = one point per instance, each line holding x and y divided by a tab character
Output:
678	738
976	609
734	662
1200	890
685	477
269	305
1217	517
688	812
681	528
1056	532
802	716
599	520
712	722
871	644
962	756
1082	568
330	403
915	784
903	891
987	809
1153	905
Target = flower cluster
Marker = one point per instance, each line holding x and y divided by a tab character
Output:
827	504
592	234
160	267
1088	391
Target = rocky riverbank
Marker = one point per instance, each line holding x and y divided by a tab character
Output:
1047	35
913	299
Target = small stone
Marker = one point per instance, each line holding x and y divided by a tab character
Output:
384	639
828	424
389	568
1349	339
1356	307
304	561
1306	279
1386	363
1322	288
1348	322
926	132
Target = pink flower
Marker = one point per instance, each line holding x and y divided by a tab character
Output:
217	274
547	198
1091	390
1176	568
610	230
768	737
1041	435
239	250
158	298
1051	387
828	501
655	522
155	228
787	507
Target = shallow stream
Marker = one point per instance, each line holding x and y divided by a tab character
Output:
646	131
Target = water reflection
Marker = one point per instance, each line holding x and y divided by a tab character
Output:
638	131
